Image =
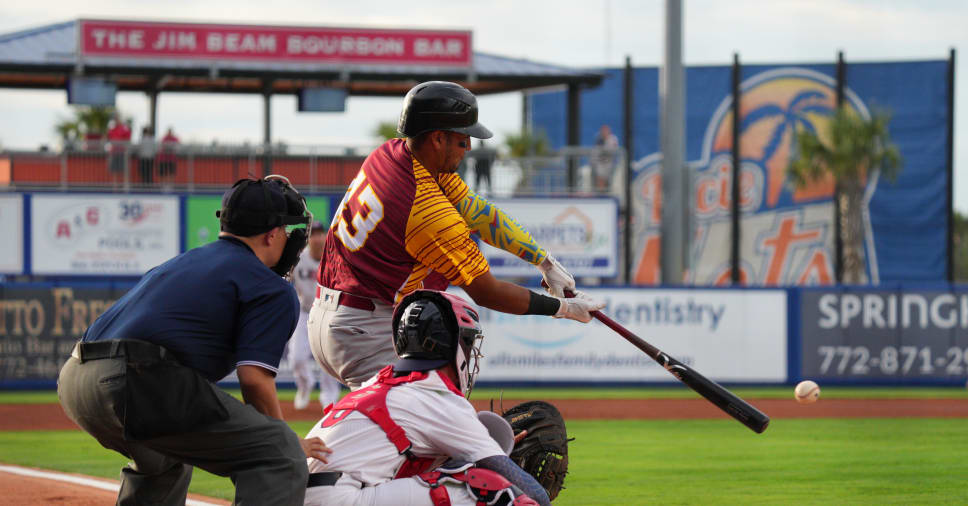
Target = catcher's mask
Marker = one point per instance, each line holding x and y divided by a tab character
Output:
440	105
256	206
433	329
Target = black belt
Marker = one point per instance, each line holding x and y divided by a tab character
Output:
323	479
131	349
350	300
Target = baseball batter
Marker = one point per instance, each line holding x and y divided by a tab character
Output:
406	215
391	437
300	357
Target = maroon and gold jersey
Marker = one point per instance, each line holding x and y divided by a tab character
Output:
395	225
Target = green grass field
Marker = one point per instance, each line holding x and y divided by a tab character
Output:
819	461
826	461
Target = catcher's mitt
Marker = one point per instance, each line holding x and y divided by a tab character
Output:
543	452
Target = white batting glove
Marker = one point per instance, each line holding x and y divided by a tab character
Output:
556	277
579	307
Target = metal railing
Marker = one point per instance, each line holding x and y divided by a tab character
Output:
122	167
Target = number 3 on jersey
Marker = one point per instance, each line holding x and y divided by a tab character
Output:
358	214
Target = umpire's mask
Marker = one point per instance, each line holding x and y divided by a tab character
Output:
256	206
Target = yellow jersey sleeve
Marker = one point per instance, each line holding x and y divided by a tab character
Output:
437	235
453	187
494	226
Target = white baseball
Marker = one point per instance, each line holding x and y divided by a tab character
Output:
807	392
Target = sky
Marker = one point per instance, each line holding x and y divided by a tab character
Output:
589	33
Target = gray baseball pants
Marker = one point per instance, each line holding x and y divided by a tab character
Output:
260	454
350	344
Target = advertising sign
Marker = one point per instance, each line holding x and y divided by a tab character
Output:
139	39
12	230
884	336
727	335
102	234
39	325
202	227
786	231
581	233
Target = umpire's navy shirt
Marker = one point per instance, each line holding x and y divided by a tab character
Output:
214	307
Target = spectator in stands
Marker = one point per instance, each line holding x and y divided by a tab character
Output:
119	138
484	157
462	167
146	155
167	160
605	159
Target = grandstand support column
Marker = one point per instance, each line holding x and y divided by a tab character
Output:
950	267
525	112
627	132
676	203
574	131
267	129
838	233
153	110
734	180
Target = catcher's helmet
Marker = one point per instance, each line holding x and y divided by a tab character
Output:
433	329
440	105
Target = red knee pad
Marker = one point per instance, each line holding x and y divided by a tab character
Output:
488	487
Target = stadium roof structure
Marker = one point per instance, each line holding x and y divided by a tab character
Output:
45	57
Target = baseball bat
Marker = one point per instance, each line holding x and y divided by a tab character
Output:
723	399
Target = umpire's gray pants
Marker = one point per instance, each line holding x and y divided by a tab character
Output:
350	344
260	454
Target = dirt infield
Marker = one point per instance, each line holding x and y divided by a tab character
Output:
28	491
52	417
36	490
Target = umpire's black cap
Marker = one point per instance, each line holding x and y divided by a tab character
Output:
255	206
440	105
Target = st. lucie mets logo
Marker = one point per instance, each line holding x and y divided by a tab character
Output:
787	232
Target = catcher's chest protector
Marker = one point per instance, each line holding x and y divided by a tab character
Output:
372	402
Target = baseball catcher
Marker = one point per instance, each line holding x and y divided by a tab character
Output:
409	436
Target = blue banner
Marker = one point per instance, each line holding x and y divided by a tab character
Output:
787	232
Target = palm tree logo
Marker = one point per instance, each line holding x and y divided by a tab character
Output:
779	145
775	106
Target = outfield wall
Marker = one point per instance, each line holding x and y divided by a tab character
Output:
887	335
787	232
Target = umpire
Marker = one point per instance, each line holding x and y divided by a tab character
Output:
141	380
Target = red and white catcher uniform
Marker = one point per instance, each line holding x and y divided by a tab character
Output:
389	456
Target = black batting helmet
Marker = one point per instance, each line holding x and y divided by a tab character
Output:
440	105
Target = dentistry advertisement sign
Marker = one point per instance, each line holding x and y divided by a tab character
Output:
732	336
